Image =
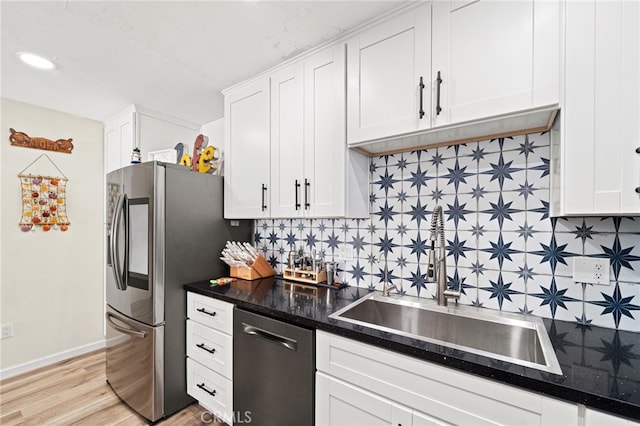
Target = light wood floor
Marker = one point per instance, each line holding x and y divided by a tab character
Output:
75	392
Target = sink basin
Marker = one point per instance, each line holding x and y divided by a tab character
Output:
515	338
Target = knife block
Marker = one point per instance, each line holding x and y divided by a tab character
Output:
259	269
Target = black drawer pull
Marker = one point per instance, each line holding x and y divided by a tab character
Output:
638	150
204	388
296	190
204	348
439	81
421	85
307	184
264	190
204	311
638	189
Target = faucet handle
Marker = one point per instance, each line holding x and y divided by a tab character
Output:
452	294
431	266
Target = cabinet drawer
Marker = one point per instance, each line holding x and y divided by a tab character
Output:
210	348
212	391
210	312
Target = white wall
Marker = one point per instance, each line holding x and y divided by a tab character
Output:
51	283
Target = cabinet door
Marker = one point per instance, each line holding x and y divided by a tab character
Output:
386	64
287	136
247	151
494	57
600	132
325	147
598	418
119	141
339	403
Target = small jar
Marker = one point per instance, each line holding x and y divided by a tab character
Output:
136	158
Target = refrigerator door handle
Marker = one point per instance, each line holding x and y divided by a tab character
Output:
115	240
290	344
134	333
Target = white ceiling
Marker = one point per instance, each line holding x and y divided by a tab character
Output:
173	57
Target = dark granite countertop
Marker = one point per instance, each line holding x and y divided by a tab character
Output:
601	367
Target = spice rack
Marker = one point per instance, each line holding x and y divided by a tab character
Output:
303	276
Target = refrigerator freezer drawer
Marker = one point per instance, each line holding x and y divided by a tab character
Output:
212	391
134	356
210	348
210	312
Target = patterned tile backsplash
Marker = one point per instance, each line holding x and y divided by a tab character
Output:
503	249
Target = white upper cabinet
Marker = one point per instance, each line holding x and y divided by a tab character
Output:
287	141
287	132
336	179
596	148
493	57
247	151
386	64
146	130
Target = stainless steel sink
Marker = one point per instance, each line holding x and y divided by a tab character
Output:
515	338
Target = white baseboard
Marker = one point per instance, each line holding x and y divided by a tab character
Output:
50	359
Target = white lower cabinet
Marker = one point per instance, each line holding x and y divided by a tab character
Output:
591	417
210	354
358	383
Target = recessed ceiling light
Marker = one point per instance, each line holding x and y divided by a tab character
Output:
36	60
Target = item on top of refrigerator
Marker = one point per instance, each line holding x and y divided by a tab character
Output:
136	158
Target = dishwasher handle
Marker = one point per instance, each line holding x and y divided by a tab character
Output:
290	344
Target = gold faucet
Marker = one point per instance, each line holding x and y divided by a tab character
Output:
439	273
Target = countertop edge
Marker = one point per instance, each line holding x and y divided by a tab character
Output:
597	402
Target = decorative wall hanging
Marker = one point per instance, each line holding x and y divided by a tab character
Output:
43	200
26	141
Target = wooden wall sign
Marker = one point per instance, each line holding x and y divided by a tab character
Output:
26	141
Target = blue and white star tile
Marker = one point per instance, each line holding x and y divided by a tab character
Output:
387	182
615	306
459	211
462	248
515	167
414	156
537	212
453	176
415	246
496	252
626	253
497	145
518	251
467	149
600	224
554	297
419	179
571	245
416	213
415	281
502	211
547	254
538	167
629	225
495	292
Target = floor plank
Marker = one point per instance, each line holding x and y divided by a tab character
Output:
75	392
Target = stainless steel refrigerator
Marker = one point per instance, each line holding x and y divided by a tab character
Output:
165	228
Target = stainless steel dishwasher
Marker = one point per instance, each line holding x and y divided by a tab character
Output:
273	371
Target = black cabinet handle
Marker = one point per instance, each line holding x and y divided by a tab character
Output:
421	114
638	150
297	187
204	348
264	190
638	189
439	81
204	388
204	311
307	185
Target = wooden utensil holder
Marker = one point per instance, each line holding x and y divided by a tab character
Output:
310	277
259	269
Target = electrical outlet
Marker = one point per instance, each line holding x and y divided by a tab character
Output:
7	331
345	253
591	270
